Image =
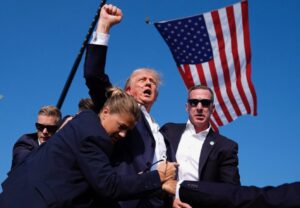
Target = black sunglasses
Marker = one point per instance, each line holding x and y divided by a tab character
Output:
195	102
50	128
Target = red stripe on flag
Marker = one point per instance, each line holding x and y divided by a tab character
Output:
214	126
224	63
245	17
215	81
186	75
236	58
217	118
201	74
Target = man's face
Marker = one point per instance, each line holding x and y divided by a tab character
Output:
116	125
143	87
46	127
200	108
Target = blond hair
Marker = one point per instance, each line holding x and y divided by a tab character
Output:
118	101
157	76
50	110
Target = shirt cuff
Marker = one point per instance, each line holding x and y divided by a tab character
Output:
177	190
100	38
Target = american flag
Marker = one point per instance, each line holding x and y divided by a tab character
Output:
213	49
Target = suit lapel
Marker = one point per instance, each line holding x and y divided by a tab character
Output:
177	136
207	147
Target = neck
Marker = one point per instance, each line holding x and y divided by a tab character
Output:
201	128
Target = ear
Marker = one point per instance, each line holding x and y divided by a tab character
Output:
213	108
128	90
187	107
104	112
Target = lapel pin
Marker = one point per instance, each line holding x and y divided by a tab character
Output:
212	143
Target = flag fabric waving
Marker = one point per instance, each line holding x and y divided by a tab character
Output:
213	49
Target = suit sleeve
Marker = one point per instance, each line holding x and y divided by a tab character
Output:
96	79
229	172
217	195
22	148
96	167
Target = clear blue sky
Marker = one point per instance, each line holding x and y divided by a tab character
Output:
39	41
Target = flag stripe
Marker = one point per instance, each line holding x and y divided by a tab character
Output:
248	54
217	77
207	74
236	60
186	75
218	91
242	53
222	50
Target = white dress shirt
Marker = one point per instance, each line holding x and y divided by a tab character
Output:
100	38
188	154
160	146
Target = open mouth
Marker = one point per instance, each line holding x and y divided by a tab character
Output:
147	92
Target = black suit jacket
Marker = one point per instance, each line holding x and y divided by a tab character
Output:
73	170
23	147
135	153
218	161
219	195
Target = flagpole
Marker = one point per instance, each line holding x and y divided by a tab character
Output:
79	57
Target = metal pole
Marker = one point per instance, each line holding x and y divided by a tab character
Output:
78	59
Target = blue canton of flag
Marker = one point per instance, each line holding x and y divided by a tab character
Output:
188	38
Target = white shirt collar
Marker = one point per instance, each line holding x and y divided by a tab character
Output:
190	127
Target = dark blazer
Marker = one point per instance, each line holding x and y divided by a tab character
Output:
218	161
73	170
23	147
135	153
219	195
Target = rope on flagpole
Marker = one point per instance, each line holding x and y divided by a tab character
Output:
79	57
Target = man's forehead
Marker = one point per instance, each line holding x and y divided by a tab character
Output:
144	73
200	92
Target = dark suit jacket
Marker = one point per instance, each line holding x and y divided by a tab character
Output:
135	153
72	170
219	195
218	161
23	147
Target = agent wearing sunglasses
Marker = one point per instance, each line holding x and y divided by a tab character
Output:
47	123
73	168
202	154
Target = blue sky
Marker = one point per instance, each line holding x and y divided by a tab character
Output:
40	41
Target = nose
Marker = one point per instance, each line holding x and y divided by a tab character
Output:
45	131
199	106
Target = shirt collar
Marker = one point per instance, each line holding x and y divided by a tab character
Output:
190	127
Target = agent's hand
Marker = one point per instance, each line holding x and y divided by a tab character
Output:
109	16
170	186
167	170
179	204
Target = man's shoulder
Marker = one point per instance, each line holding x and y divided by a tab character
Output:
171	125
28	137
223	139
27	140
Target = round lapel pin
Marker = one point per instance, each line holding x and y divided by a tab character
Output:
212	143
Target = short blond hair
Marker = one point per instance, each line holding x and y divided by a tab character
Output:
50	110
